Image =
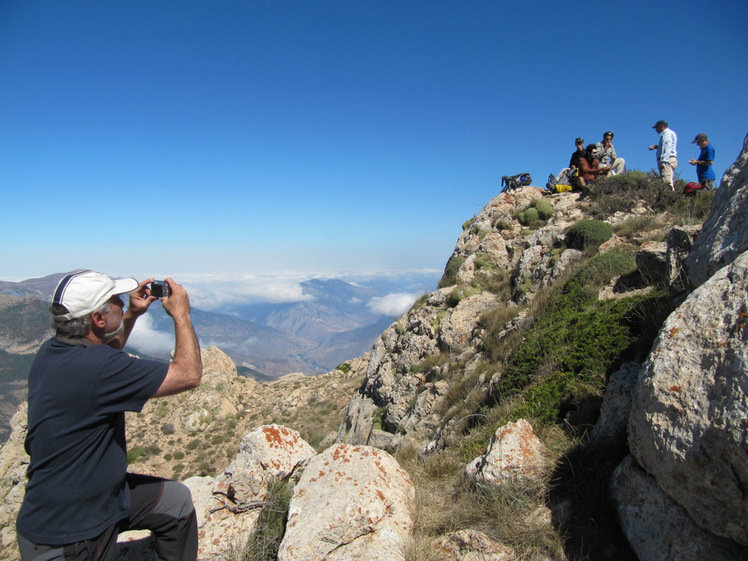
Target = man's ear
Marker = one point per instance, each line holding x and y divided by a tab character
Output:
98	320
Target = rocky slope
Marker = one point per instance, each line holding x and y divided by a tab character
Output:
434	378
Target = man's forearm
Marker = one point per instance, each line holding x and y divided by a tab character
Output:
187	348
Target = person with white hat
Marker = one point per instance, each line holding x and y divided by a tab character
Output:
79	496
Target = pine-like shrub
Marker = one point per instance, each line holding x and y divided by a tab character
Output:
587	234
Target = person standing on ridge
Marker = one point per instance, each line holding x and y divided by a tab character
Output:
79	496
666	152
704	170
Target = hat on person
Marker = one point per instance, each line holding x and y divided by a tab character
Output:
83	292
700	136
608	133
660	123
579	140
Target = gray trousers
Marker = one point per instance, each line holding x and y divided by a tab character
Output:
160	505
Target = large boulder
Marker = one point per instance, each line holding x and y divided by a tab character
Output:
725	231
229	505
351	502
658	528
690	406
513	453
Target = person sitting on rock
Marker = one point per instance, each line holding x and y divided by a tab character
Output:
590	168
607	154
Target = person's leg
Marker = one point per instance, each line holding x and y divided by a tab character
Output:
164	507
617	166
707	184
667	170
101	548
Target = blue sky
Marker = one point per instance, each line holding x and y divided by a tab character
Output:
229	140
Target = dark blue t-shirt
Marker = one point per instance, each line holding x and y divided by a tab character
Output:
78	394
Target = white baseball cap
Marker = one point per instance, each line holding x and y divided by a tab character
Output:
83	292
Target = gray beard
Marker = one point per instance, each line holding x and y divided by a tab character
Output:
116	333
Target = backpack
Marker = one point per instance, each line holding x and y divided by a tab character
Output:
691	188
512	182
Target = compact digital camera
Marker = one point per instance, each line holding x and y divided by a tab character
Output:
160	289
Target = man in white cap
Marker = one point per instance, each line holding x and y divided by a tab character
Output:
667	152
79	496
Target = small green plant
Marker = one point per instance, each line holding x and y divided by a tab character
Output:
528	217
421	302
450	271
503	223
271	523
484	263
461	292
588	234
544	208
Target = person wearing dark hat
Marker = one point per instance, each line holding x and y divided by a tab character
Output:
666	152
79	495
607	154
578	153
704	170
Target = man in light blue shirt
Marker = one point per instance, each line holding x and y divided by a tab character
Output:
666	152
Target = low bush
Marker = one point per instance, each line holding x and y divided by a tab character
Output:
622	193
528	216
587	234
450	271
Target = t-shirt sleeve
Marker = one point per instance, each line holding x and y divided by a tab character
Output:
125	382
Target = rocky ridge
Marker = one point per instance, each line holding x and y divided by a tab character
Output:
682	408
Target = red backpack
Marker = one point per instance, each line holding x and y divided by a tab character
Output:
691	188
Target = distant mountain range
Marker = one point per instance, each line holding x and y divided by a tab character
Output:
333	324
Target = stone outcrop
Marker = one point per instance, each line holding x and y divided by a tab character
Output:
725	231
402	398
657	527
681	494
690	409
351	502
471	545
514	452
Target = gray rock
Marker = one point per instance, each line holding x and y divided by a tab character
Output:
616	407
690	413
351	502
658	528
725	231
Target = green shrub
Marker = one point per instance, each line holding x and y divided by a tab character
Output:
503	223
623	192
544	208
483	262
450	271
528	216
461	292
271	523
584	336
587	234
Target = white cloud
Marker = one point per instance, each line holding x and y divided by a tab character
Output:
149	341
392	304
210	292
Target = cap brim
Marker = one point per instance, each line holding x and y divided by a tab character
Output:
125	286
